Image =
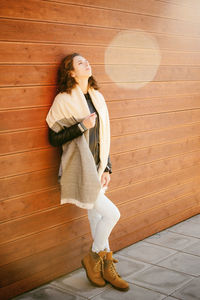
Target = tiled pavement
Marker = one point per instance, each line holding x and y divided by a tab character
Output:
163	266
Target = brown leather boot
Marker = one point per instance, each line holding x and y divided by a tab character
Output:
93	265
110	274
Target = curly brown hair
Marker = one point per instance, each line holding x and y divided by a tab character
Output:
65	81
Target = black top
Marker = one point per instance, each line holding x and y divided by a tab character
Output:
93	132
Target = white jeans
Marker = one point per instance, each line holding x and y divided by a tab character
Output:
102	217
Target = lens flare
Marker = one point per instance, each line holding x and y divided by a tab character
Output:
132	59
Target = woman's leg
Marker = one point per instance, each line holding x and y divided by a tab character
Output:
102	218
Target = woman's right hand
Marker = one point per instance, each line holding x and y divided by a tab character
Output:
89	121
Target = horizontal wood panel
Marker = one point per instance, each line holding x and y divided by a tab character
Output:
20	163
44	240
24	140
64	214
63	266
152	89
124	227
30	265
152	122
155	227
30	203
58	215
158	226
59	265
29	31
152	153
52	237
185	93
142	220
159	8
56	12
142	189
29	182
30	161
34	139
45	75
143	172
151	106
141	205
40	53
146	139
36	117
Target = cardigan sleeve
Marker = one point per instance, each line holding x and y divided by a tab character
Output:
65	135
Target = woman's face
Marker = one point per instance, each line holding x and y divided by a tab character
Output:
82	68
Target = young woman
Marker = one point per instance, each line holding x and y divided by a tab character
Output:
78	120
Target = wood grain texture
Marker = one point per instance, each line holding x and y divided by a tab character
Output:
155	129
56	12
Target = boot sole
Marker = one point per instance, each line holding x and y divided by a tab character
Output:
118	288
93	283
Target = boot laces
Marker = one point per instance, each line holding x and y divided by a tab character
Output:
113	270
98	265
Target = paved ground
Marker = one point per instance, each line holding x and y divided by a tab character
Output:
163	266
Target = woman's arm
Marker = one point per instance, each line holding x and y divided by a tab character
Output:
65	135
109	166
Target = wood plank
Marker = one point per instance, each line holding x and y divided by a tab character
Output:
30	203
23	119
143	172
29	161
54	236
141	205
40	53
24	140
28	183
23	205
67	215
146	139
122	228
26	97
27	225
152	89
185	93
143	122
35	139
56	12
154	185
124	124
140	234
160	8
63	267
29	31
27	267
46	239
17	75
147	155
127	226
150	106
65	260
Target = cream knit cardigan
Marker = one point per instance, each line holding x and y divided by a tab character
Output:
80	180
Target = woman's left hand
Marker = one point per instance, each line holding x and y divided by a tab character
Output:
105	178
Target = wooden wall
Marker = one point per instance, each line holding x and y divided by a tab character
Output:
155	130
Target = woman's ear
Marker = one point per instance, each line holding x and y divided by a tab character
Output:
72	73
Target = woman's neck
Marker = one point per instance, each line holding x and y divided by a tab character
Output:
83	83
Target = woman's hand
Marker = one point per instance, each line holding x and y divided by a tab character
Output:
89	121
105	178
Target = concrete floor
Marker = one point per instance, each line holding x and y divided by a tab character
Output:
163	266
